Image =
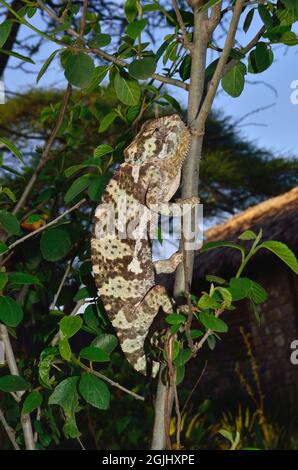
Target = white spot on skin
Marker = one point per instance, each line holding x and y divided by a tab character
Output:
111	249
132	345
120	287
135	266
141	364
136	172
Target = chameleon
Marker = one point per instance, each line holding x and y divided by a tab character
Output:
122	265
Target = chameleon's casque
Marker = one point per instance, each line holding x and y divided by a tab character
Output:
123	268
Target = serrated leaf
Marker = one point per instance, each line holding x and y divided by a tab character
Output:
211	322
283	252
11	312
102	149
247	235
239	287
94	391
206	302
65	394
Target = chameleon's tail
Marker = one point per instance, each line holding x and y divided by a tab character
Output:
132	327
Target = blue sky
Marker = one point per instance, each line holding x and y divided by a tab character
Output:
274	128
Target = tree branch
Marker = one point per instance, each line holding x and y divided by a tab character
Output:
12	365
9	431
186	41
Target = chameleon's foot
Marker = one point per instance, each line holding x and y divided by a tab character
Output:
168	265
193	201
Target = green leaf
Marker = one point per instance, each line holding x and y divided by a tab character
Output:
92	162
265	15
206	302
289	38
106	342
248	20
225	294
33	218
183	357
5	28
92	353
142	68
69	326
3	280
100	40
180	373
128	91
78	186
99	74
64	348
3	248
283	252
233	81
65	394
102	149
47	356
32	401
55	244
12	148
10	223
11	312
211	322
94	391
260	58
257	293
13	383
97	186
239	287
247	235
195	333
215	279
46	65
134	29
17	56
70	428
79	70
130	9
184	69
219	244
106	121
175	318
23	278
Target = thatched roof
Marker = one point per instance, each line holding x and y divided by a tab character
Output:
278	218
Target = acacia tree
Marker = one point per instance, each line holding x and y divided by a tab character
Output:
44	238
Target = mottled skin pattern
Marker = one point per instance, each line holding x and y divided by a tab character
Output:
123	268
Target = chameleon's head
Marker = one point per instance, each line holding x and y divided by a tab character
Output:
165	139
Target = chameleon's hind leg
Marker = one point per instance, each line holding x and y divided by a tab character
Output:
132	340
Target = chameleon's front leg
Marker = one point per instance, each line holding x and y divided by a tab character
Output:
168	265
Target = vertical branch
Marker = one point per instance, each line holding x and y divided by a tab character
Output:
11	361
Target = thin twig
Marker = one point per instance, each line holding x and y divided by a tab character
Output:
46	226
12	365
186	41
9	431
193	389
109	57
187	295
45	154
56	296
